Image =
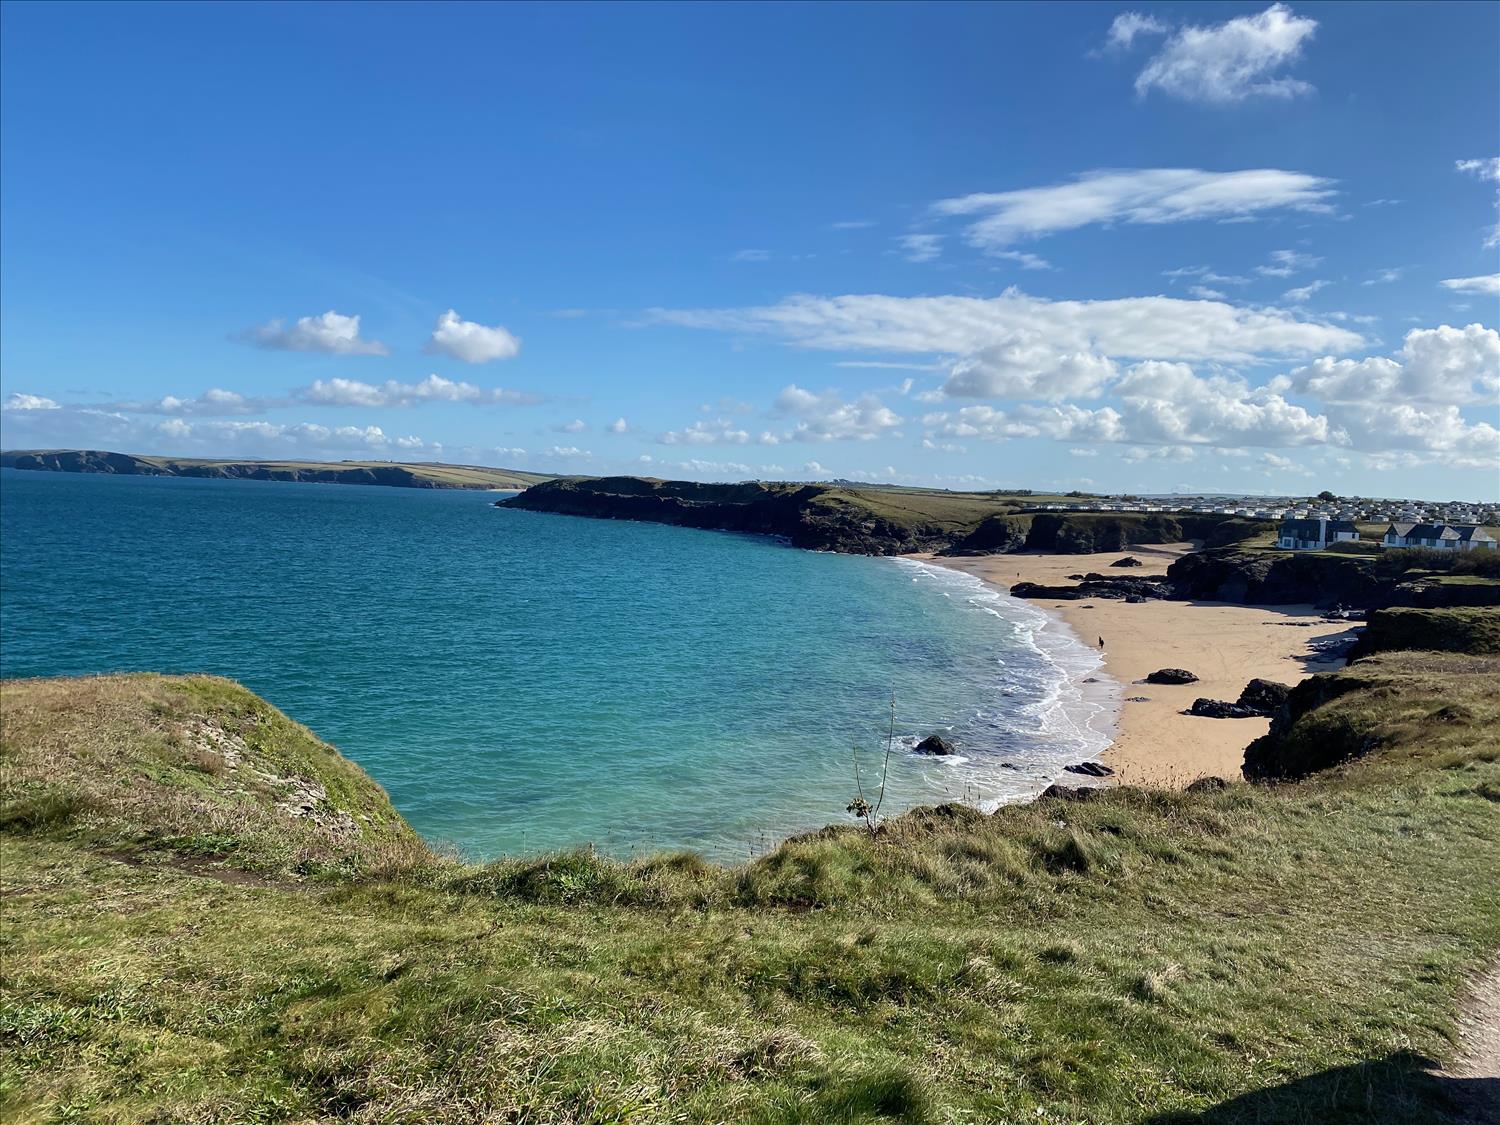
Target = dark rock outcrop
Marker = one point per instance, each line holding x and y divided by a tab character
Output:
1219	709
1128	560
1171	676
1090	769
1263	697
1097	586
935	744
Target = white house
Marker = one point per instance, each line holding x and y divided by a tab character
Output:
1443	536
1314	534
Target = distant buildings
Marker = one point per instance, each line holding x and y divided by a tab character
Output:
1315	534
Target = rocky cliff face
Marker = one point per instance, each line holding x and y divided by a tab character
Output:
812	516
1272	578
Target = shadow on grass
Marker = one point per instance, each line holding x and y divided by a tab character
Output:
1400	1088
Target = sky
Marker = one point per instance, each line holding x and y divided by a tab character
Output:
1157	247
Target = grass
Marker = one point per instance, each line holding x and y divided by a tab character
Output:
1249	953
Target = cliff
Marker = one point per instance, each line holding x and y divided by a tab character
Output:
390	473
814	516
870	520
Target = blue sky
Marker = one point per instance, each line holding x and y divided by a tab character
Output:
1152	247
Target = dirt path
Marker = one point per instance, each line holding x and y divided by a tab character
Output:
1475	1074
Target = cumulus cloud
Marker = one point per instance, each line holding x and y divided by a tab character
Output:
618	426
576	426
18	401
1233	61
828	417
1028	369
1487	285
1442	365
434	388
1150	196
330	332
1131	327
471	342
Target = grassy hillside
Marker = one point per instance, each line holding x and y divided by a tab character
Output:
1244	954
416	474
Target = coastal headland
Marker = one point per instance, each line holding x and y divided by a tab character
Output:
393	474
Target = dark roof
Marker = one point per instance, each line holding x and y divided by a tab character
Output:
1425	531
1308	529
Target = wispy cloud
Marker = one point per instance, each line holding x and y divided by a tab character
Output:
1486	285
921	247
1231	62
1150	196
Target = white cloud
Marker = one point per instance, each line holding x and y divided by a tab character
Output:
851	224
1150	196
618	426
576	426
1132	327
1028	369
1203	292
89	427
213	402
1487	285
434	388
567	451
750	256
1025	260
18	401
1486	169
1303	292
1443	365
921	247
1127	26
827	417
720	431
329	332
1284	263
470	342
1162	404
1384	277
1232	61
1204	273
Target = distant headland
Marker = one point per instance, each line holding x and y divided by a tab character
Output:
396	474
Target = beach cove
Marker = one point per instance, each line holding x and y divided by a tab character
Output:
1225	645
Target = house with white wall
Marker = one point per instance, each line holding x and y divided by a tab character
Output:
1314	534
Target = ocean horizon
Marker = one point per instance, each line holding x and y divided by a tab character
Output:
520	681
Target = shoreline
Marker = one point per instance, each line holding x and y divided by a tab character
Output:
1225	645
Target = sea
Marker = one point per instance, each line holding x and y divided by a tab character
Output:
521	682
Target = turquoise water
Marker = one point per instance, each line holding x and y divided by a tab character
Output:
520	681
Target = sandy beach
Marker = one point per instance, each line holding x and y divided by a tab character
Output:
1224	645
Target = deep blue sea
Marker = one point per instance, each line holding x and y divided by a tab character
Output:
520	681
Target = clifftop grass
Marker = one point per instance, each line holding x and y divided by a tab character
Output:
1254	953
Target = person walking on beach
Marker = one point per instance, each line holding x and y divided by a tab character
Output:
1101	644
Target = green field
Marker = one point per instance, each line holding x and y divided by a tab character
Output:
179	948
